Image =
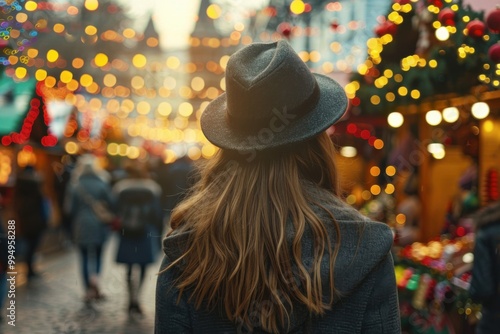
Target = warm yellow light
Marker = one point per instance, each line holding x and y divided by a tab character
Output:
214	11
59	28
415	94
112	149
143	107
173	62
109	80
185	109
488	126
31	6
139	60
40	74
86	80
297	7
52	55
21	72
164	109
77	63
378	144
21	18
390	170
480	110
91	5
375	99
389	189
433	63
400	219
403	91
66	76
315	56
375	171
50	81
71	147
208	150
450	114
137	82
129	33
395	119
375	189
101	59
90	30
433	117
197	83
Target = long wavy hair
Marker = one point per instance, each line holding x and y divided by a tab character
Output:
239	215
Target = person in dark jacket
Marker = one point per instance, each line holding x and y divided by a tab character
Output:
264	243
139	209
89	186
31	210
485	278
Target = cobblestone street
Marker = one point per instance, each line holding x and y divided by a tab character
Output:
53	303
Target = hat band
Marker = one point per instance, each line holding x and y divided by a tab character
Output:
250	124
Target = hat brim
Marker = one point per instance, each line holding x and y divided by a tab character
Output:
283	129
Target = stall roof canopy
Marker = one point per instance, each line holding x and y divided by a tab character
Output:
14	102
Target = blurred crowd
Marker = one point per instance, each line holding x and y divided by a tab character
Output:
132	199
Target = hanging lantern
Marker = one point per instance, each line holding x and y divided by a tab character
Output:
494	53
447	17
476	28
493	20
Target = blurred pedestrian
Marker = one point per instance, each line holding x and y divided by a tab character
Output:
139	209
485	279
89	194
31	209
264	242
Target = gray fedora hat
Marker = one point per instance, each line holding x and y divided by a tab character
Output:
272	100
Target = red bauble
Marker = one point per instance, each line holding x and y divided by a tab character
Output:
447	17
285	29
334	25
493	20
437	3
476	28
387	27
402	2
494	53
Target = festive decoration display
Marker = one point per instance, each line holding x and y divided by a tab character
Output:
493	20
494	53
408	67
432	281
447	17
476	28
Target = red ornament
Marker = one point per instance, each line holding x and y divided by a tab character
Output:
447	17
494	53
285	29
437	3
476	28
387	27
493	20
334	25
402	2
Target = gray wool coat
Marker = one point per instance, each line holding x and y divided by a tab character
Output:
364	276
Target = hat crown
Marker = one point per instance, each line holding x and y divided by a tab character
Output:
263	78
